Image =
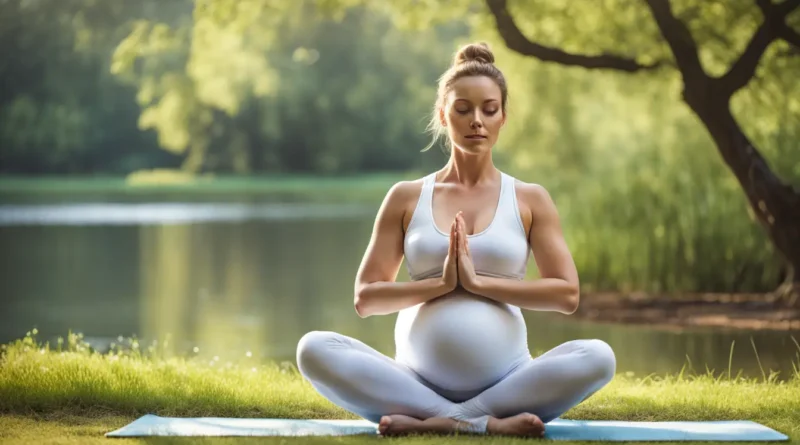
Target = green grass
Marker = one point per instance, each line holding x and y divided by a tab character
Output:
71	394
368	187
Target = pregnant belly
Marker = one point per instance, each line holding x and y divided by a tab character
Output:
461	341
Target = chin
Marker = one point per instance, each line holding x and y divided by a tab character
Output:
474	147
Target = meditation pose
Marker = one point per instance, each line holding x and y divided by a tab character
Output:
462	362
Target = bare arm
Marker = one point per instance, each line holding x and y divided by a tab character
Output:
376	292
558	289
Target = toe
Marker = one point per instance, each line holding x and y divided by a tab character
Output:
537	426
384	424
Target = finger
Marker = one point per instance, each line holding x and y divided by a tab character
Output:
453	240
463	236
450	247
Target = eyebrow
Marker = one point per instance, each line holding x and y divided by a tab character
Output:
485	101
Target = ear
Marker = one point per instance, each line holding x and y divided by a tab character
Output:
442	120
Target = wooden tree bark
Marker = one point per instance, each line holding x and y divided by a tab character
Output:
776	204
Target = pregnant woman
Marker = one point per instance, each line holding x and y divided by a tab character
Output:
466	231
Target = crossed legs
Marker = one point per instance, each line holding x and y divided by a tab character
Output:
361	380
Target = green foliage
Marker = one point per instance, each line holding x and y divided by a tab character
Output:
60	108
646	199
228	92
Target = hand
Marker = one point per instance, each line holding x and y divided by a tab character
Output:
450	271
466	270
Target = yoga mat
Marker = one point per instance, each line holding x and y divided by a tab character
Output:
559	429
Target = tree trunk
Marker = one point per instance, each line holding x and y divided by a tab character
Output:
775	204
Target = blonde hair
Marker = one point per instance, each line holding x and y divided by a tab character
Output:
475	59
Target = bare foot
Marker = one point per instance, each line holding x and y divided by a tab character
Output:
525	424
398	424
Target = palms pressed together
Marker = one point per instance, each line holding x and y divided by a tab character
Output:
459	269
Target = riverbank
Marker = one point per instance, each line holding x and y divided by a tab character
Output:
74	396
368	188
734	311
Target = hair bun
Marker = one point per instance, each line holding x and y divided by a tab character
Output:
478	52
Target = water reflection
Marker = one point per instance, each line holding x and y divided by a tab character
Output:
169	213
259	284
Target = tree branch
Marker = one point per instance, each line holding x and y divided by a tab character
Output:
790	35
773	26
678	38
744	68
516	41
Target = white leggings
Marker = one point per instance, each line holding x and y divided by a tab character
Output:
365	382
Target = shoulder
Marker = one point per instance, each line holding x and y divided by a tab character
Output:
402	197
404	191
532	194
535	204
400	202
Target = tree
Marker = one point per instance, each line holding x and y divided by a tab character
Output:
60	109
775	203
234	87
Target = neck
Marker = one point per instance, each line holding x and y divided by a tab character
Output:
469	169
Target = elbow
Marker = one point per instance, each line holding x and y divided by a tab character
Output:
571	302
359	304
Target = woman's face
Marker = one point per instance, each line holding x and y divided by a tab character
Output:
473	114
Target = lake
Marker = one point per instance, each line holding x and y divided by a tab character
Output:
233	278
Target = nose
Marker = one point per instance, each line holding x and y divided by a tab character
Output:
476	121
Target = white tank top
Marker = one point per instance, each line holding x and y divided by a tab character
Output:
500	250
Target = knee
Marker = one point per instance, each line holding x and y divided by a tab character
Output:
312	350
602	361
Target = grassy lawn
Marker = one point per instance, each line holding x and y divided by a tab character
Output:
73	395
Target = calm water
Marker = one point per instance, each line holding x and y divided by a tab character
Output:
230	278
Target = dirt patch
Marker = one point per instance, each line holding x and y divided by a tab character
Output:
736	311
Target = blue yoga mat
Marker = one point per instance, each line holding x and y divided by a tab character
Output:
559	429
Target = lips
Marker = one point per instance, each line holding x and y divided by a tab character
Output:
475	136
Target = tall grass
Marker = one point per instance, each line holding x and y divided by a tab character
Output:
131	379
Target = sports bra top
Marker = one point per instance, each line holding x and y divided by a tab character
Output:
501	250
